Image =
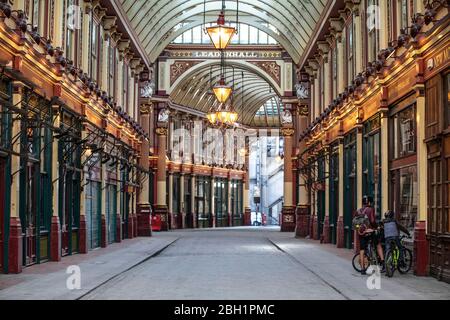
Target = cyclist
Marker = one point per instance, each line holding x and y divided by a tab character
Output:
369	232
392	230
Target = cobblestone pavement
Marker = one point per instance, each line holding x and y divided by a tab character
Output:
225	264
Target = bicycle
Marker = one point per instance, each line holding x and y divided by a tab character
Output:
393	260
370	256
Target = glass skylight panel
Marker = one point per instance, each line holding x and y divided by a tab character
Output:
243	34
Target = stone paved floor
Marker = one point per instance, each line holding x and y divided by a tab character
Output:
242	263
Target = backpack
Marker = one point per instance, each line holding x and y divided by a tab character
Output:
360	219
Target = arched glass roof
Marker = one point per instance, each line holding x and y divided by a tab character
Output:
250	92
159	22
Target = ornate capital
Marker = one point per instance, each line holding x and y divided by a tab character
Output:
287	132
303	110
162	131
146	108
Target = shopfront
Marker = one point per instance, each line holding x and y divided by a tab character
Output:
69	159
5	136
320	189
236	203
111	201
93	192
372	162
35	178
350	205
334	191
187	204
403	162
438	144
221	202
203	201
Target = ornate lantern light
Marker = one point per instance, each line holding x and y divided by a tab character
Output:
221	34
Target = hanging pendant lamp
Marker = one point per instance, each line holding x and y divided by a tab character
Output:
220	34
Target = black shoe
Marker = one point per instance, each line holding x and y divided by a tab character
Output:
363	273
383	267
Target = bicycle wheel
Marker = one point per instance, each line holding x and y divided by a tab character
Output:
357	265
405	265
390	264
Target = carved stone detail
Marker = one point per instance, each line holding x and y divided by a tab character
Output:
272	68
178	68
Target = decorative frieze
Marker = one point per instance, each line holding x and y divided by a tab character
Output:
178	68
272	68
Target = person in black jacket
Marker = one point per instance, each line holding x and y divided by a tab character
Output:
392	230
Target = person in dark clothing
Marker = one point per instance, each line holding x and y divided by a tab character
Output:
368	232
392	230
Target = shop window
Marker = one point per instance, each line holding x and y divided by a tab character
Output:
404	129
372	162
404	172
203	201
405	199
69	160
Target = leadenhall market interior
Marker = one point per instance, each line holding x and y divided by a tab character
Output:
123	118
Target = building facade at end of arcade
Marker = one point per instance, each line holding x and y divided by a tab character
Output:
382	130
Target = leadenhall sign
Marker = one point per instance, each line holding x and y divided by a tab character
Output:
228	54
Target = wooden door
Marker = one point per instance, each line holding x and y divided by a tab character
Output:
438	142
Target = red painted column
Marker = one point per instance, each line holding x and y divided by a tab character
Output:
326	230
15	260
161	208
144	212
118	228
55	239
288	211
302	217
82	234
340	238
421	250
103	239
130	226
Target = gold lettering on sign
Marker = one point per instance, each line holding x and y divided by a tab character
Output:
439	60
228	54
